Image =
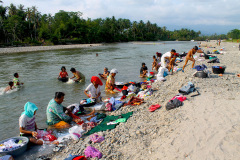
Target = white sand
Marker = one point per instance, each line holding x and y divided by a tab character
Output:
44	48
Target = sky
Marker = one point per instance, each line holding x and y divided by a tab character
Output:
208	16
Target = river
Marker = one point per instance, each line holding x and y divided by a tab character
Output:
39	70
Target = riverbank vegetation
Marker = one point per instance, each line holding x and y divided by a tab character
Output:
20	26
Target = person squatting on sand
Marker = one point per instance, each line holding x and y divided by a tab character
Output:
105	73
110	83
190	57
28	126
143	71
56	118
79	76
94	88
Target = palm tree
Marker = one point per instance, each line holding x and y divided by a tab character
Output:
34	16
12	10
149	27
134	29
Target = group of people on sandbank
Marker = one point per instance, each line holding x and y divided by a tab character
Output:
167	62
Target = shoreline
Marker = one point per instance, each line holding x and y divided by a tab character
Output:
45	48
205	126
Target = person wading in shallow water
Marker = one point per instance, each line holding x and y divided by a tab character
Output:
79	76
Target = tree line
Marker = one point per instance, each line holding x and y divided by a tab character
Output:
20	25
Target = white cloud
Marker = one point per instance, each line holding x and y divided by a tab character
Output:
162	12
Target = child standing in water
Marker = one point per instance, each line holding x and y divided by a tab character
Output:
16	80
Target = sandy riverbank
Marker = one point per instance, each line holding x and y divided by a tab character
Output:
205	127
45	48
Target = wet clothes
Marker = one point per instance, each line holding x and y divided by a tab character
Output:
15	81
110	82
82	77
63	74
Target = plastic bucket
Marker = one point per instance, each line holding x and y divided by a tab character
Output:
218	69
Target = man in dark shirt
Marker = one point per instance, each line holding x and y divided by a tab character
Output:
143	70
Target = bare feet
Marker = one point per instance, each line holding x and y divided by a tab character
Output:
55	142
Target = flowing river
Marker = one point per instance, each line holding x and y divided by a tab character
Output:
39	70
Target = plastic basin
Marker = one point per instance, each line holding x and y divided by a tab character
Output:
218	69
18	150
201	74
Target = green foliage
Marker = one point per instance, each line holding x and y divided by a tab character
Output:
29	26
235	34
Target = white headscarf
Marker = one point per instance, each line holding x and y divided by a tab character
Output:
114	71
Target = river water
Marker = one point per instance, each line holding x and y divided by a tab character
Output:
39	70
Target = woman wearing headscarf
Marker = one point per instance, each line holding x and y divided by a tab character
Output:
94	89
110	83
27	124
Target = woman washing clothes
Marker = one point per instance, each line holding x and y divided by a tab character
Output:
105	73
28	126
110	83
94	88
63	74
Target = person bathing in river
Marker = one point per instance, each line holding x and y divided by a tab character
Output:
63	73
79	76
28	126
56	118
155	64
9	87
167	56
16	80
143	71
110	83
94	89
105	73
190	57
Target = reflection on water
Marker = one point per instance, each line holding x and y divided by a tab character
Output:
39	70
